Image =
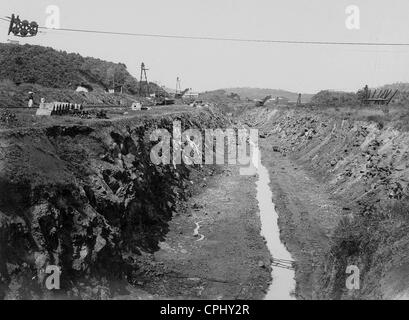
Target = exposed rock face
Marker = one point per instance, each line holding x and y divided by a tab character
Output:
365	164
87	199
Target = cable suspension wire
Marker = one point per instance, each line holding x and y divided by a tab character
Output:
186	37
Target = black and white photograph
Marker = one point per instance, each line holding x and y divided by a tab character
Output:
204	158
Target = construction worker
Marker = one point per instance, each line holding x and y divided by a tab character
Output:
30	99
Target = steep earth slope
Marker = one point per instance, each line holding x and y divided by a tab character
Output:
340	179
87	197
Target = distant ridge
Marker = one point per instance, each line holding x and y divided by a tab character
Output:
401	86
259	93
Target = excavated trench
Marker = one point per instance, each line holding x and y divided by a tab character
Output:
87	198
339	183
283	283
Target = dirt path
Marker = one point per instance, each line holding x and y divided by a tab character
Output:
225	258
27	119
307	215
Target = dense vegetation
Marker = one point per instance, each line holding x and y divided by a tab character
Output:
58	69
328	98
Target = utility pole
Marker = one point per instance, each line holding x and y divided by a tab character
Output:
142	79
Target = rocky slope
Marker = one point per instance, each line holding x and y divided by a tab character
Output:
361	156
86	197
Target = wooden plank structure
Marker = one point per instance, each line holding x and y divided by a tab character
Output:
283	263
381	97
58	108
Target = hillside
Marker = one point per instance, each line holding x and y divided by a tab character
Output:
259	93
55	74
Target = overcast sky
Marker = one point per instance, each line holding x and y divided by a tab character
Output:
205	65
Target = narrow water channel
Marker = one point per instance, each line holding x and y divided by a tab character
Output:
283	283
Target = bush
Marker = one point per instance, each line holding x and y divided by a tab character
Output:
335	99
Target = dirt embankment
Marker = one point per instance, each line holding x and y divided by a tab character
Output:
340	183
88	199
13	96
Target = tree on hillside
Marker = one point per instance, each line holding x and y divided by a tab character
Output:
116	76
61	70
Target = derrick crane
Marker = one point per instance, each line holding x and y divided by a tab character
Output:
144	79
178	86
181	94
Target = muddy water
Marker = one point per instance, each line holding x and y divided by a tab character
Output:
283	283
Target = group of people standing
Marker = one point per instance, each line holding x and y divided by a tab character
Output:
31	99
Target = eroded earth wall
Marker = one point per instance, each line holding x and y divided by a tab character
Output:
364	165
88	199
